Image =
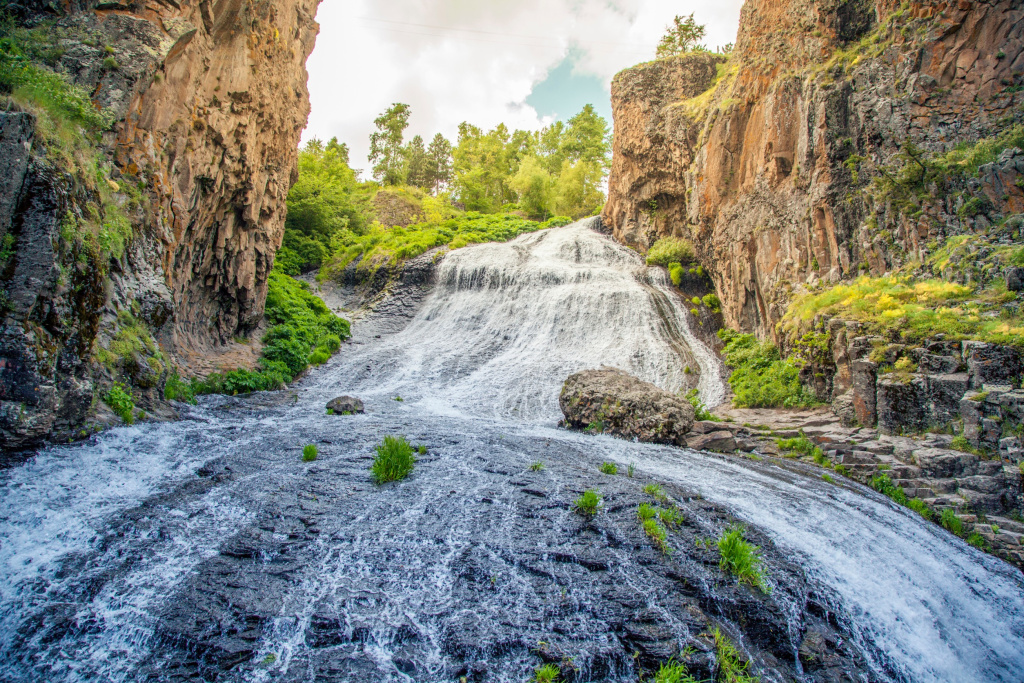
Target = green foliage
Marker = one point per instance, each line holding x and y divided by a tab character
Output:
671	517
656	492
609	468
742	559
658	535
176	389
131	339
712	302
977	540
589	503
884	485
671	672
386	150
548	673
121	401
310	453
760	378
921	508
682	36
537	466
630	470
422	450
960	442
669	250
732	668
700	411
646	511
675	273
951	522
966	158
394	460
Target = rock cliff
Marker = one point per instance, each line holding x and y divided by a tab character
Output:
765	160
208	100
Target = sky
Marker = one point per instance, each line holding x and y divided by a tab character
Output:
522	62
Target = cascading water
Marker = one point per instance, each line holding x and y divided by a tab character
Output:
206	548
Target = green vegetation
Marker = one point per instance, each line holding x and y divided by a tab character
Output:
671	517
646	511
176	389
658	535
589	503
310	453
732	668
915	309
121	401
742	559
760	378
977	540
712	302
960	442
884	485
131	339
951	522
537	466
609	468
683	35
630	470
921	508
671	672
394	460
421	449
828	478
670	251
547	673
700	411
656	492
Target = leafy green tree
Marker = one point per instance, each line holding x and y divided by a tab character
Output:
418	164
586	138
484	163
440	164
535	188
684	35
386	150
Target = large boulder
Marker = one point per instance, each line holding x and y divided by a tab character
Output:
346	405
614	402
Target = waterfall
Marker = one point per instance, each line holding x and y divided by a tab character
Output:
206	547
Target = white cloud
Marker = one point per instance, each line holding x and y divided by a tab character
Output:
474	60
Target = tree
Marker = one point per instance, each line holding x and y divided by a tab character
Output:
418	164
684	35
386	150
534	185
439	155
586	138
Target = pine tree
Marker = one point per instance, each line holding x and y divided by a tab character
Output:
418	163
439	156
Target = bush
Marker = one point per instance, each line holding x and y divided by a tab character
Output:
978	541
760	378
742	559
310	453
675	273
700	411
921	508
884	485
670	250
951	523
589	503
645	512
609	468
175	389
121	401
712	302
394	460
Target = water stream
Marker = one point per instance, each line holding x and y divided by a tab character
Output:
169	551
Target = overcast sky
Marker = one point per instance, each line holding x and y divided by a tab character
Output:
521	62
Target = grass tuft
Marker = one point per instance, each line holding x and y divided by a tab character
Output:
547	673
673	672
537	466
732	667
121	401
742	559
951	523
394	460
658	535
310	453
609	468
589	503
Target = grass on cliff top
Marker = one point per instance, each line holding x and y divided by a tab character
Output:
382	245
760	377
917	309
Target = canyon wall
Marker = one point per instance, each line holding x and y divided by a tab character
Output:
208	99
764	160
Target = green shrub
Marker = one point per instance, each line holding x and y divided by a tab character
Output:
121	401
700	411
671	672
656	532
760	378
310	453
175	389
537	466
646	511
884	485
670	517
589	503
422	450
732	668
951	523
675	273
394	460
670	250
609	468
977	540
921	508
630	470
655	492
742	559
713	302
960	443
548	673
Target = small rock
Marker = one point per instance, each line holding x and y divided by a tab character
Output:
720	441
1015	279
346	405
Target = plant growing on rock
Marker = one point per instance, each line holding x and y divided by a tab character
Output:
682	36
658	535
742	559
732	667
310	453
673	672
121	401
609	468
921	508
670	250
760	377
547	673
589	503
951	523
537	466
977	540
884	485
700	411
394	460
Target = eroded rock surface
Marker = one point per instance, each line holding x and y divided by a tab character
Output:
614	402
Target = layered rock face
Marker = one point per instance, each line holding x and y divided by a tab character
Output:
761	160
209	99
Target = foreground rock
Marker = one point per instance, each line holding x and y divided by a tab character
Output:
613	402
346	405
